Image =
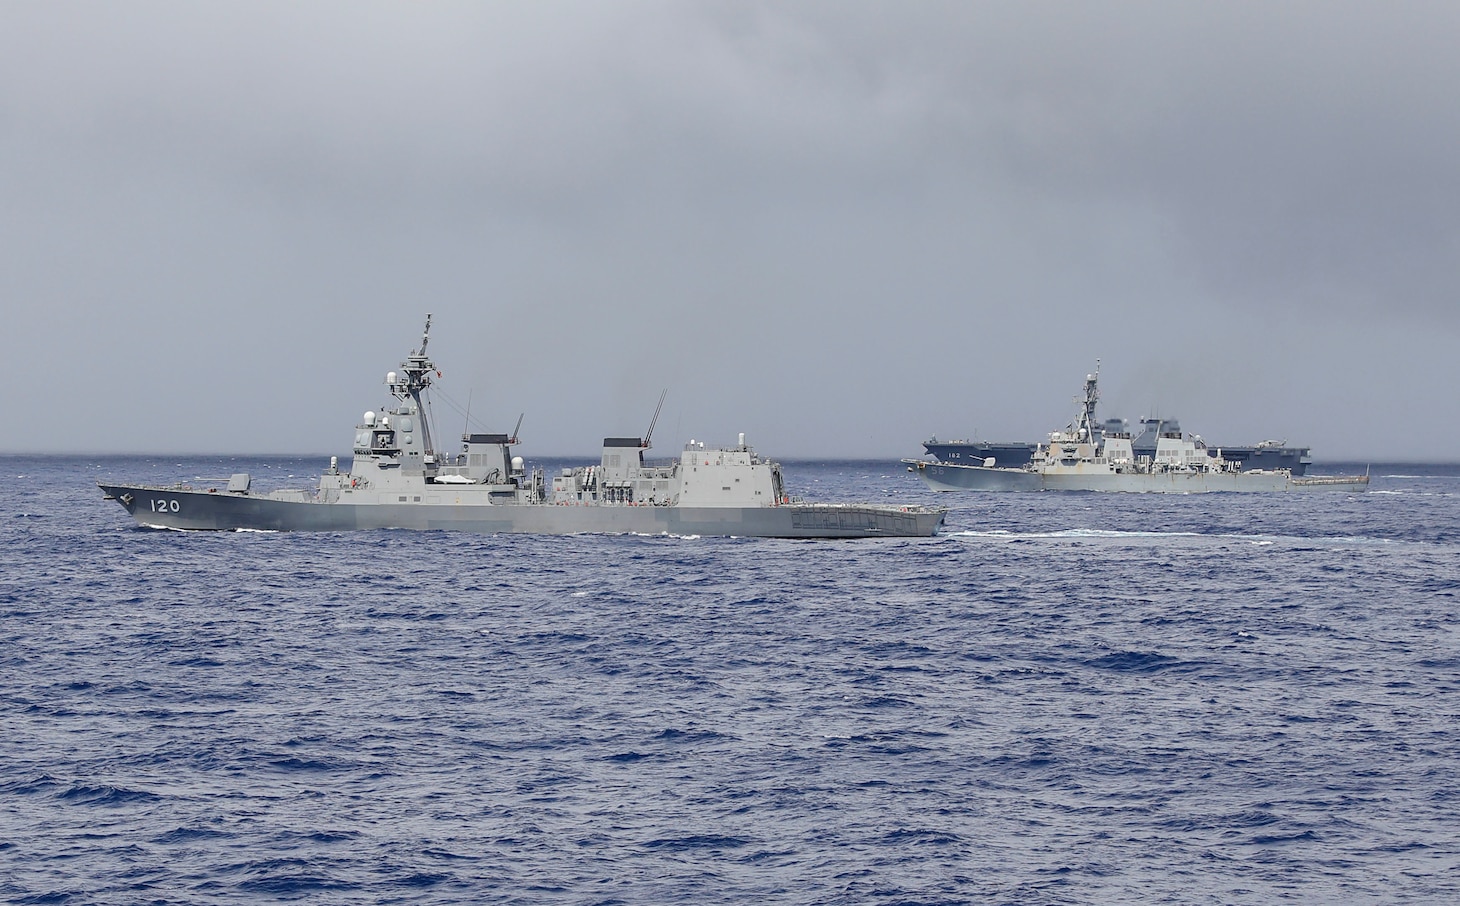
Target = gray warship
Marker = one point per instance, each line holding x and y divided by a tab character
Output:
398	480
1090	457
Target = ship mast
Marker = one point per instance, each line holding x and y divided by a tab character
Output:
413	380
1085	425
649	435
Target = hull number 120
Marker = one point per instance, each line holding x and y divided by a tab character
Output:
164	506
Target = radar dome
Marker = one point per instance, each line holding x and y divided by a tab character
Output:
390	377
369	419
517	463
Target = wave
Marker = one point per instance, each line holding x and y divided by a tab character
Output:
105	794
1074	533
1258	540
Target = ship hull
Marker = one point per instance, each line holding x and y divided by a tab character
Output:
1294	459
952	477
199	510
955	477
1004	455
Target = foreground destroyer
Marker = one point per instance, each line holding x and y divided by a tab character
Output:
398	480
1087	457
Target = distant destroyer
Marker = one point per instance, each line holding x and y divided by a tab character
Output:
1087	457
399	480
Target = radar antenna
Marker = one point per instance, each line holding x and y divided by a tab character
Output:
648	435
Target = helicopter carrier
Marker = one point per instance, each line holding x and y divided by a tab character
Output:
1268	455
1090	457
398	479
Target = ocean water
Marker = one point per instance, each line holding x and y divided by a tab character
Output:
1062	699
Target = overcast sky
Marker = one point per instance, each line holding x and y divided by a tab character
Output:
839	227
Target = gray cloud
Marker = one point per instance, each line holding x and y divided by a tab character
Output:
838	227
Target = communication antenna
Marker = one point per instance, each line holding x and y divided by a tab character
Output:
655	420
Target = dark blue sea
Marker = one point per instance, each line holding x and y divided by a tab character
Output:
1073	698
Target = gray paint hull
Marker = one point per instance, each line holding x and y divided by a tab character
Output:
192	509
951	477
